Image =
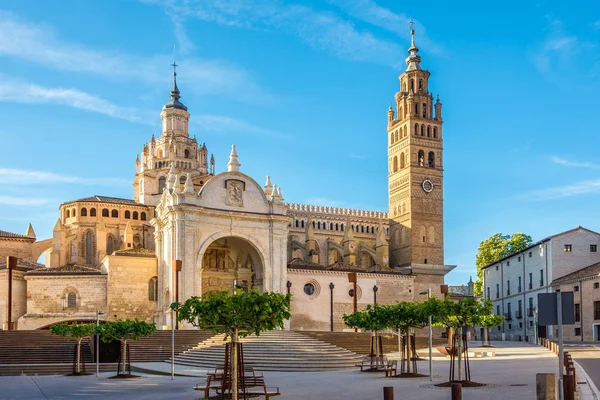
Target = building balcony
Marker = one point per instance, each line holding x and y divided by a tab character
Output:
531	311
508	316
519	314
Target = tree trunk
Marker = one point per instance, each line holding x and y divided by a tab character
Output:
408	351
234	366
124	356
486	338
78	363
459	356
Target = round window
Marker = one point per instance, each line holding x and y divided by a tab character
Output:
309	289
351	292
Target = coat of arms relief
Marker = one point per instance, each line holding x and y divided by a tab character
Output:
234	195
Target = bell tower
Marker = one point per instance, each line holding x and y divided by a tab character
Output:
415	177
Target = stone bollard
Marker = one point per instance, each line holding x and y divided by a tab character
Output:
545	386
388	393
456	391
568	387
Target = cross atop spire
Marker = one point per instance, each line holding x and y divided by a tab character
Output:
413	59
175	93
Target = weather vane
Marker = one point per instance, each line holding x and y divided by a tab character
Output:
174	65
411	24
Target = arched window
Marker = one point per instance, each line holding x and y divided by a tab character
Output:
425	261
162	184
337	227
362	229
422	130
92	212
342	227
143	216
186	153
412	85
153	289
402	160
428	131
135	215
431	159
435	132
68	213
110	245
392	138
127	214
397	137
303	223
417	110
395	166
420	84
89	247
72	300
416	129
297	223
182	180
421	158
159	153
74	212
104	212
424	110
405	134
114	214
400	113
84	212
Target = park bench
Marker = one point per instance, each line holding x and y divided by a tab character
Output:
372	363
253	382
391	368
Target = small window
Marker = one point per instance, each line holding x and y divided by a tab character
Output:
68	213
74	213
593	248
530	254
135	215
71	300
182	180
127	214
496	268
596	285
568	248
104	212
309	289
576	288
351	292
93	212
84	212
509	326
153	289
507	263
114	214
519	259
577	331
530	323
143	216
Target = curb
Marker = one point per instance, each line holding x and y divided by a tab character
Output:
591	383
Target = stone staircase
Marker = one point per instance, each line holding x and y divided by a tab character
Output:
158	346
273	351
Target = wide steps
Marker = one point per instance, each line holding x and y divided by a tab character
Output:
273	351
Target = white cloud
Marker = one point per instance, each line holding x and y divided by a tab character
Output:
25	201
561	192
39	44
357	156
30	93
320	29
576	164
21	177
224	124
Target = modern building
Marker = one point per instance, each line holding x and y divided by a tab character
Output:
514	282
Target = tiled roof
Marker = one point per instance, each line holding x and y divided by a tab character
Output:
69	269
11	235
587	272
23	265
139	252
106	199
341	266
300	263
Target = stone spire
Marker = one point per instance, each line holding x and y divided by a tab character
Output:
171	178
279	193
349	244
413	61
268	186
310	244
175	94
30	232
189	185
382	257
128	237
275	198
233	165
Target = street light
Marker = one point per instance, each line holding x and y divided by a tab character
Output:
375	289
331	286
428	293
98	314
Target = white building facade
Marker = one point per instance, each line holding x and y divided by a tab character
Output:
513	283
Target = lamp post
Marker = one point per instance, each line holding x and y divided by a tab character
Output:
98	314
352	277
428	293
11	263
375	289
289	286
331	286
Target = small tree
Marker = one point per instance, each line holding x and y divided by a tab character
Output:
487	322
75	331
235	315
124	331
373	319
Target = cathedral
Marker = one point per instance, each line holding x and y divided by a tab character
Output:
190	229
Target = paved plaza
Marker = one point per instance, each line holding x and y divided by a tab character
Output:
510	375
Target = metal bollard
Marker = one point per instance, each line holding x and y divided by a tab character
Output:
545	386
568	387
456	391
388	393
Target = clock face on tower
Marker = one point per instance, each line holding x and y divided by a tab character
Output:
427	186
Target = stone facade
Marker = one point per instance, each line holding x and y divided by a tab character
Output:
514	282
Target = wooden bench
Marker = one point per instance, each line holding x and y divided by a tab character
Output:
253	379
373	363
391	368
264	390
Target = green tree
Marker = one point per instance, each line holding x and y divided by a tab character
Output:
372	319
124	331
495	248
75	331
235	315
487	322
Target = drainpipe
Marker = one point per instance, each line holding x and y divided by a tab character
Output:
581	307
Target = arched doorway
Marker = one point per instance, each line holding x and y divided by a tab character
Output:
231	259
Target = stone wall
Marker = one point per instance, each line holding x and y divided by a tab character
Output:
19	296
20	248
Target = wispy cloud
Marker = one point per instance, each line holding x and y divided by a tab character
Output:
357	156
575	164
369	11
561	192
22	177
224	124
322	30
25	201
39	44
29	93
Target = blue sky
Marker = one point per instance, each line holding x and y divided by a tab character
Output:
302	89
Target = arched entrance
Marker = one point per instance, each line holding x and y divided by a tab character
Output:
230	259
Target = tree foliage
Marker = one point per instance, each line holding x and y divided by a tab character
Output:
495	248
75	331
242	313
491	320
125	330
372	319
464	312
